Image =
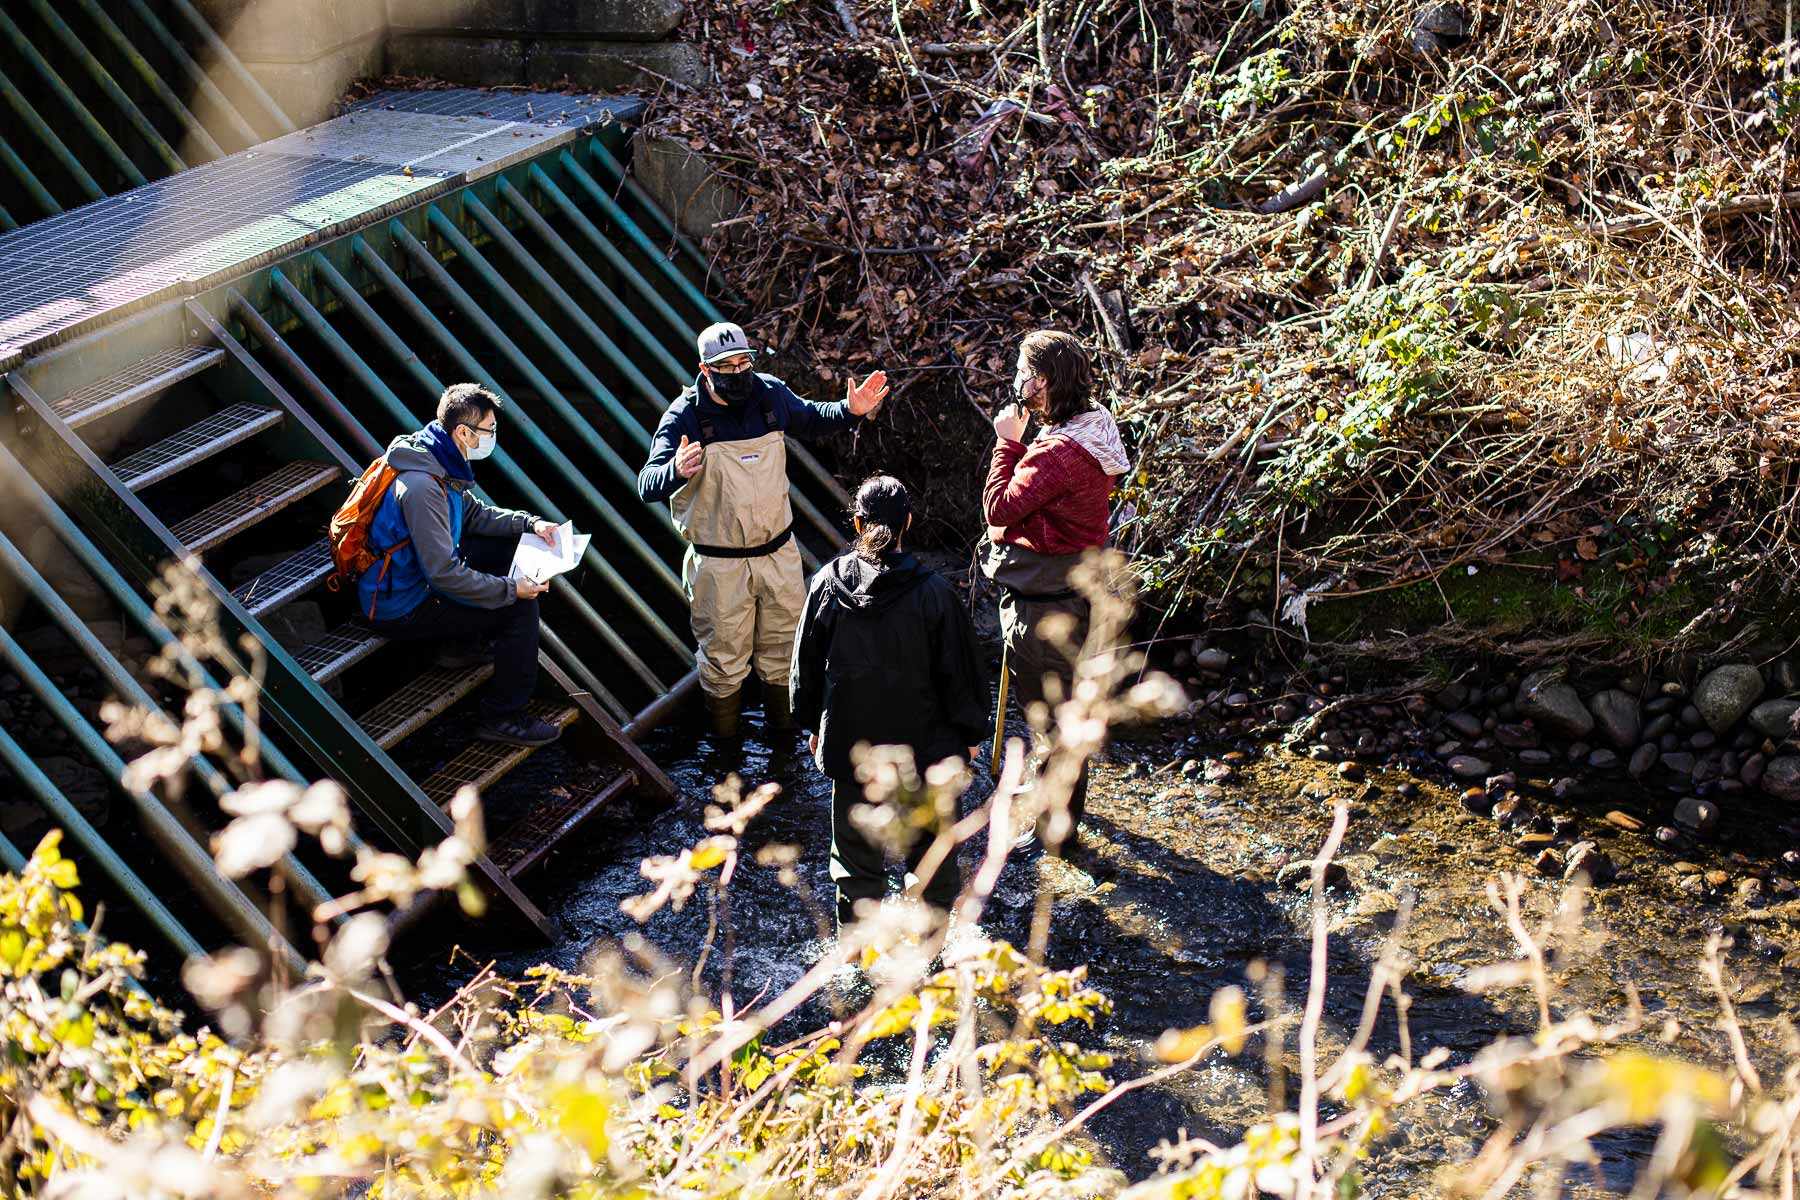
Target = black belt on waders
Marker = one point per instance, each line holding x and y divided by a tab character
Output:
1041	597
769	547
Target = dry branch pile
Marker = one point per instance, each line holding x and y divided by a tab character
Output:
1384	289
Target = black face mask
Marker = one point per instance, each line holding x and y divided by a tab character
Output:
733	388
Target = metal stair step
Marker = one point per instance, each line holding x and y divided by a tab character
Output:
484	763
285	580
526	842
245	508
414	706
141	380
338	651
195	444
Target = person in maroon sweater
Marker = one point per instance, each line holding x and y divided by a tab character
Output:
1047	505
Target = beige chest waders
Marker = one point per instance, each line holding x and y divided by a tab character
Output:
742	568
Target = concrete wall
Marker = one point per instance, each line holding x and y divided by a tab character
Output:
307	52
607	45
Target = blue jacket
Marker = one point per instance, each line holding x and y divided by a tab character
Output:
731	423
429	507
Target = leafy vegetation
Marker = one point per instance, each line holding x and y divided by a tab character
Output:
1383	290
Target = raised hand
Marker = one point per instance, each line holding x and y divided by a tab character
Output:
546	531
866	397
689	458
1009	423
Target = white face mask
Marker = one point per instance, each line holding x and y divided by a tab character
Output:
484	445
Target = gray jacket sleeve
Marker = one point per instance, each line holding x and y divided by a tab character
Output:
484	520
425	507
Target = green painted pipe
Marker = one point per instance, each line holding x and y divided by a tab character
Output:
83	117
627	424
433	386
196	74
653	397
665	221
614	212
127	49
226	899
128	688
709	311
47	135
471	366
94	843
70	534
39	194
572	663
6	220
643	289
224	57
106	83
578	425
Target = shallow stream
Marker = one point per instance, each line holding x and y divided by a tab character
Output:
1178	896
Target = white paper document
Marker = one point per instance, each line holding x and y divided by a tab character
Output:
538	562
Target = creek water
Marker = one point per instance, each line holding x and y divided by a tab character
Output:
1177	896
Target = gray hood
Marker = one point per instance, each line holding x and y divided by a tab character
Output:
1096	432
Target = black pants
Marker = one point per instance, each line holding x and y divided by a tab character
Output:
860	870
1032	659
514	629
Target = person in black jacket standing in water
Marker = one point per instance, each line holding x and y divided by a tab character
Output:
886	655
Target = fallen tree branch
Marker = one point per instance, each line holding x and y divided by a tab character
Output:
1717	211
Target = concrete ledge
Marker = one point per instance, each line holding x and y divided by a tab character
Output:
293	31
508	62
609	20
308	91
683	183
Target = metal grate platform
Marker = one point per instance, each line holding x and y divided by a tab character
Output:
195	444
242	509
484	763
541	108
286	579
338	651
414	706
529	840
70	272
140	381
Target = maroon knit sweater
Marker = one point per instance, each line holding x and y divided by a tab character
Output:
1052	498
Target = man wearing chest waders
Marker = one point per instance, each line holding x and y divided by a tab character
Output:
719	458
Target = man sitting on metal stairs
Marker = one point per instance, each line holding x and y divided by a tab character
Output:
447	556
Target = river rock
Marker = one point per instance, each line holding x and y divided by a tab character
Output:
1726	694
1297	876
1602	759
1643	758
1550	702
1212	660
1478	802
1548	863
1536	758
1774	718
1751	772
1699	817
1619	819
1407	790
1515	735
1467	766
1678	761
1704	739
1466	724
1781	778
1669	837
1351	772
1658	725
1585	858
1616	716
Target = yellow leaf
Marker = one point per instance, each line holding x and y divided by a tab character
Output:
1179	1045
707	855
581	1114
1228	1018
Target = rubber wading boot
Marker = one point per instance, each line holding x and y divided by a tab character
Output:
778	715
723	712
